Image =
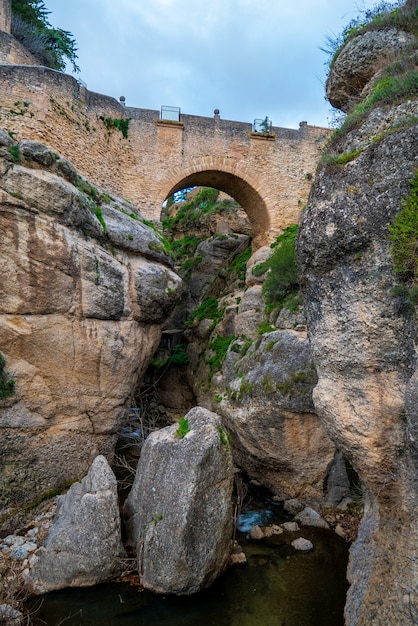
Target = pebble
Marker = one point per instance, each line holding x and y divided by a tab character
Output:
302	544
20	553
9	615
309	517
256	533
339	530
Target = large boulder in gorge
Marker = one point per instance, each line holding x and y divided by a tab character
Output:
178	514
363	339
84	545
265	399
81	310
360	60
263	390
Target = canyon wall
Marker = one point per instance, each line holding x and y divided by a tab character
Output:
84	290
360	316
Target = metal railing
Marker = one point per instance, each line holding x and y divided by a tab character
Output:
262	126
170	114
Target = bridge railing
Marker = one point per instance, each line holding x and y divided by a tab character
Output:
170	114
262	126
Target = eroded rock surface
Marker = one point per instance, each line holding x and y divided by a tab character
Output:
359	62
263	390
363	346
81	307
178	514
84	544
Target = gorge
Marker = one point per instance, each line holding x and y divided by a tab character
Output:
315	385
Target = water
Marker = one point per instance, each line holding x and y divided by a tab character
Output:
279	587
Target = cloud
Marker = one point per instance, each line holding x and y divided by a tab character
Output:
249	59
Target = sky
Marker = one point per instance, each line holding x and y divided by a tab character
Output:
248	58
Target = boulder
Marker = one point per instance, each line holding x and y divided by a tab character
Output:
309	517
267	406
358	62
178	515
216	254
84	544
302	544
132	233
10	616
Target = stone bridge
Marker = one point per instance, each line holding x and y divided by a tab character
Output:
268	174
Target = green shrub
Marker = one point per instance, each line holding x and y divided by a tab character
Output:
219	346
265	327
282	278
225	437
189	265
50	46
99	215
208	309
14	152
186	246
403	234
120	124
238	266
183	427
178	357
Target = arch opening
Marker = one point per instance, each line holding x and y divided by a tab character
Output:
239	189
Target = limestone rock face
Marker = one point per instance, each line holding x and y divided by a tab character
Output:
84	544
263	389
363	347
215	253
77	320
359	61
178	514
266	403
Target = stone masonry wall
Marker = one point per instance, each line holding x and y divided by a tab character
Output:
6	16
11	51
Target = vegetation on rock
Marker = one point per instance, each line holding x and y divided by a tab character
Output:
207	310
404	237
383	15
199	208
282	280
51	46
395	84
183	427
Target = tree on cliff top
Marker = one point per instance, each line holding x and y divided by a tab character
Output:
51	46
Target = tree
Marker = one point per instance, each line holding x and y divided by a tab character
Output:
50	46
265	125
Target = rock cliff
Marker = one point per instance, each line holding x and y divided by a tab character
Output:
253	368
361	331
84	289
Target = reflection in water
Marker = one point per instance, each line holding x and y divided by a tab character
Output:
279	587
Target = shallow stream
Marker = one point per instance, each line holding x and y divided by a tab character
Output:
278	587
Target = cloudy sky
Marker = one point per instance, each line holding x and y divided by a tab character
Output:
248	58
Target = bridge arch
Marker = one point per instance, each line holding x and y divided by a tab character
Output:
249	192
